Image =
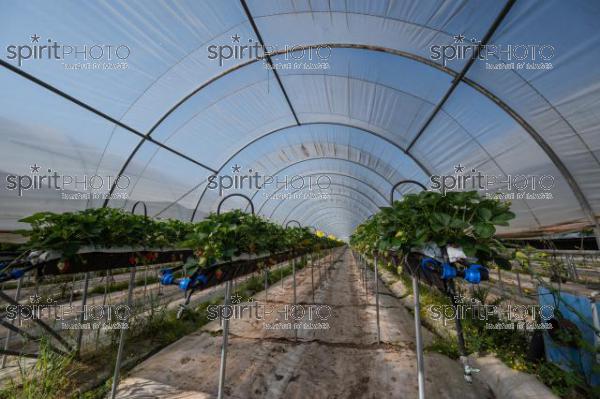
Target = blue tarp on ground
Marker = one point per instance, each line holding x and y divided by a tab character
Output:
577	309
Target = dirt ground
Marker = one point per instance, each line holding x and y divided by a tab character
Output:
342	361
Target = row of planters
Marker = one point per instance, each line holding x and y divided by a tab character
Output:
97	239
439	238
62	377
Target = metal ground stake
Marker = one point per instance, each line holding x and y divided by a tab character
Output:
312	277
377	301
266	285
223	366
420	361
81	318
293	313
115	382
8	333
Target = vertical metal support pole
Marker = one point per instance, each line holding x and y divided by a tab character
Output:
145	279
364	278
159	284
223	366
500	281
319	267
115	382
377	301
294	312
365	281
574	267
83	304
519	284
8	333
103	305
72	291
419	338
312	277
266	273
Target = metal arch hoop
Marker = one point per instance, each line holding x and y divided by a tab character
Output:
325	158
133	208
337	196
363	210
294	221
548	150
401	182
329	173
346	211
354	189
235	195
357	128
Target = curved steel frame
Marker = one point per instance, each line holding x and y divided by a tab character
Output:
329	173
357	128
328	158
337	195
345	186
315	214
336	219
548	150
292	221
235	195
134	207
401	182
374	171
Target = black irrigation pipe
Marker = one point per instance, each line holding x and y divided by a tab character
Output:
109	260
98	261
32	337
9	352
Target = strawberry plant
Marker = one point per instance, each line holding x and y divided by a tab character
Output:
103	227
216	238
224	236
464	219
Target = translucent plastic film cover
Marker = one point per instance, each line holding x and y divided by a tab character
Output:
281	199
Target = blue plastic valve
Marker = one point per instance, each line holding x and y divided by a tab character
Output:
473	274
448	271
185	283
167	279
18	273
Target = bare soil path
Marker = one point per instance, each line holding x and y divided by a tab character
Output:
343	361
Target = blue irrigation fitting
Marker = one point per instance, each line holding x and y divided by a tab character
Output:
474	273
17	273
167	279
166	271
202	278
185	283
448	271
426	261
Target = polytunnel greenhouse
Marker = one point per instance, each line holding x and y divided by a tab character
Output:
300	199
